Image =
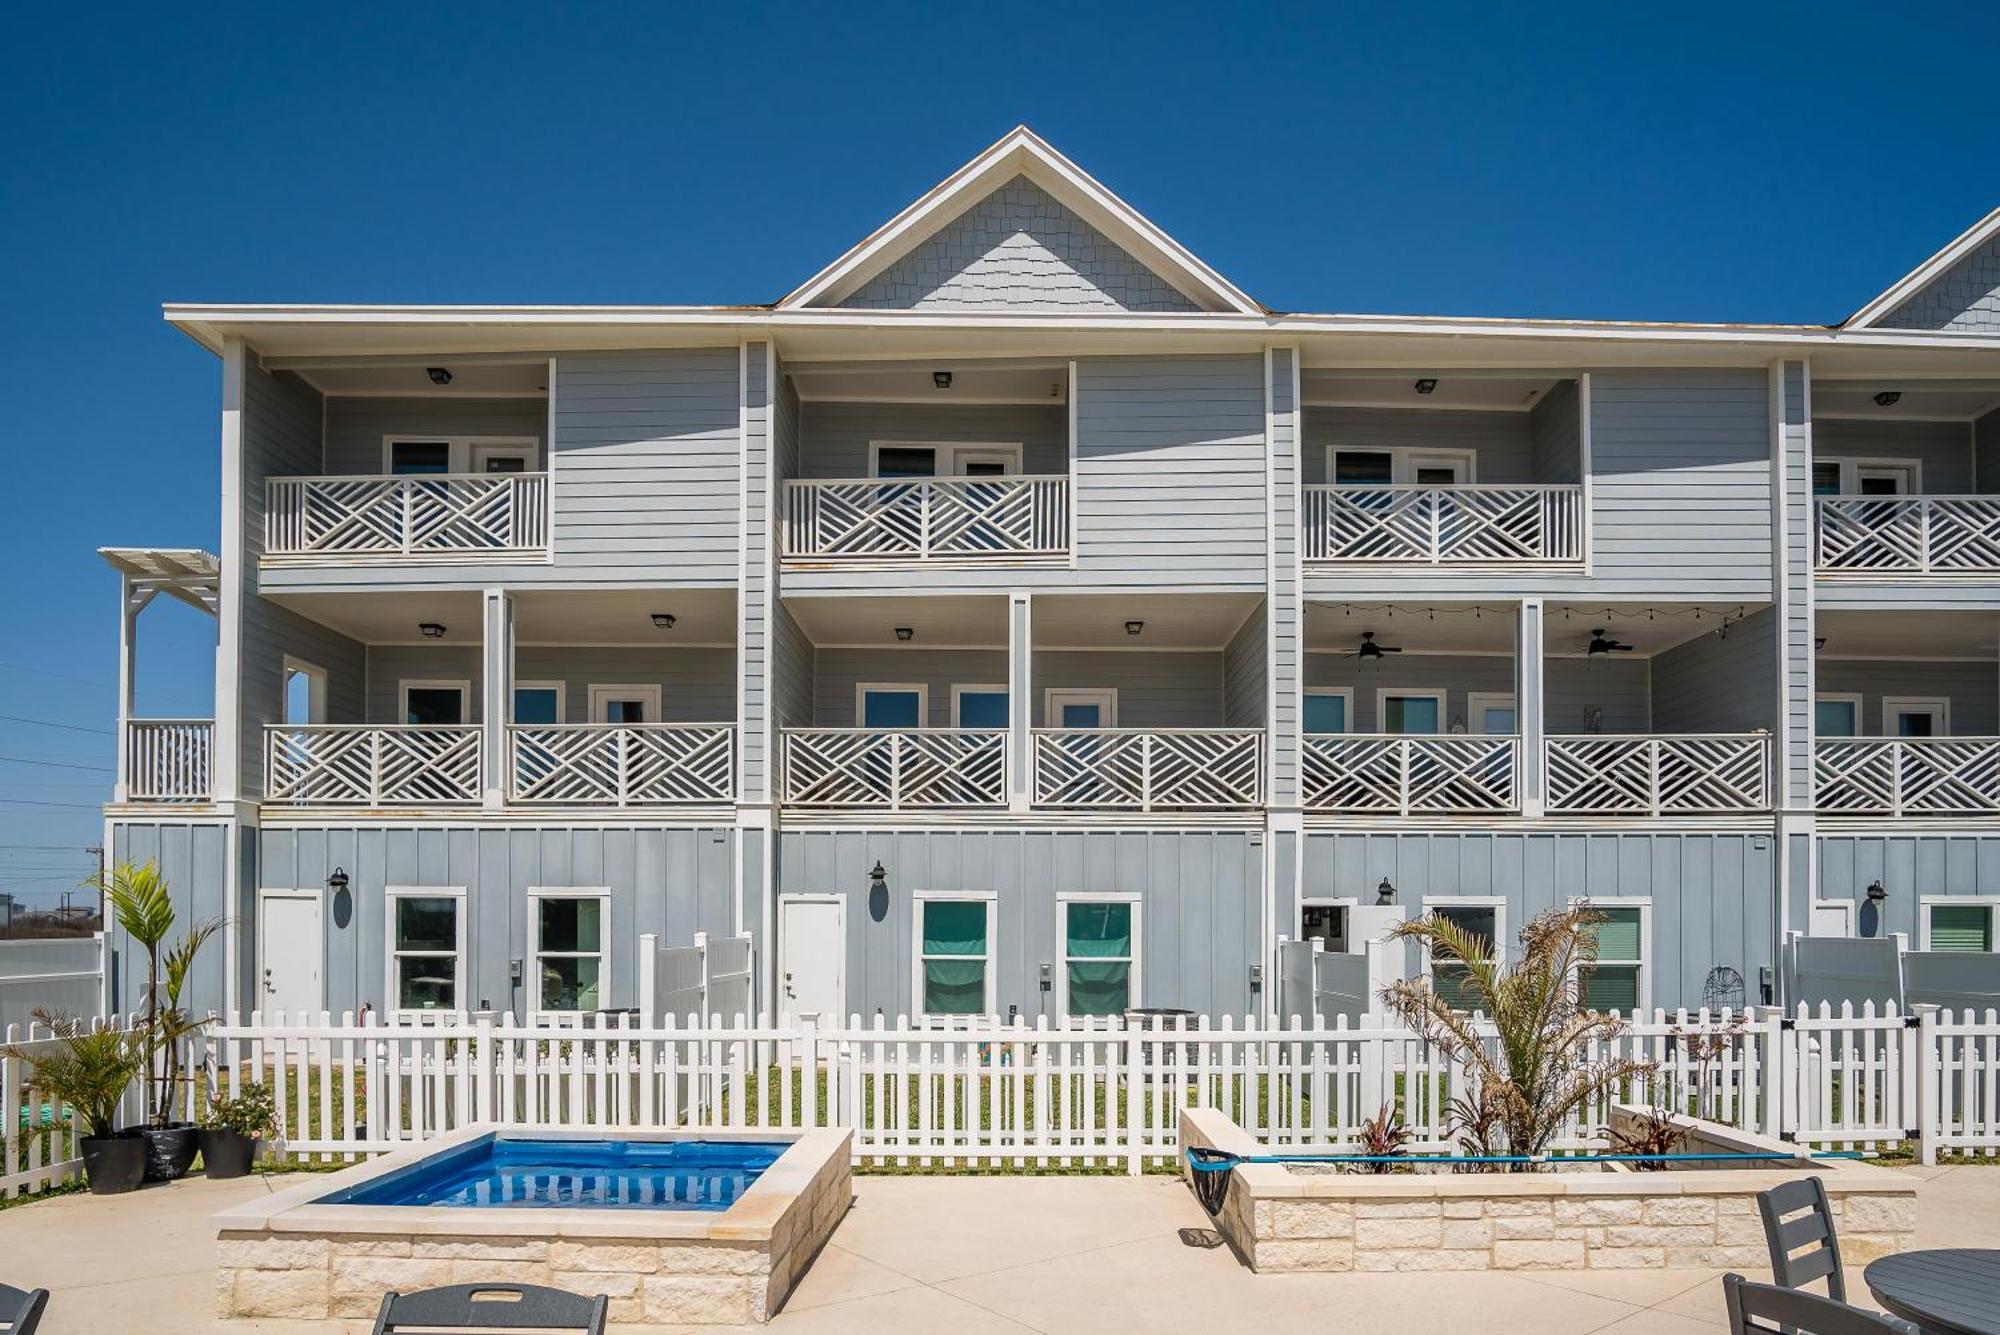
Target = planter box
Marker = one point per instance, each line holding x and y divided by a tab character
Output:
1609	1218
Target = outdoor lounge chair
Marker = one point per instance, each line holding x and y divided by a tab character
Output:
1812	1230
491	1307
21	1309
1766	1309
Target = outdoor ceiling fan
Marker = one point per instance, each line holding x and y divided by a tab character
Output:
1600	645
1370	649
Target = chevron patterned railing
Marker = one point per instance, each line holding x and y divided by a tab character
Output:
1121	769
927	519
621	765
1907	776
1451	775
498	515
360	765
876	770
1456	525
1665	774
1904	535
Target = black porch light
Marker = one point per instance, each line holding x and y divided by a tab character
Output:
906	632
664	620
1385	893
1876	891
432	630
942	379
438	374
338	881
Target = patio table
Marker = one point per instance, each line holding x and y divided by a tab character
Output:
1955	1291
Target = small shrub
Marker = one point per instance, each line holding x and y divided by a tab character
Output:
1652	1132
1383	1134
253	1112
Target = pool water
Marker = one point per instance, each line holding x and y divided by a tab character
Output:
506	1172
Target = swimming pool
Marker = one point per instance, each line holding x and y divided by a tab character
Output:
564	1173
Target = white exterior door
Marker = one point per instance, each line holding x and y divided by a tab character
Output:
812	957
289	953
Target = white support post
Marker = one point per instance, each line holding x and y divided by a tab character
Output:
1020	703
497	693
649	979
128	630
226	766
1528	706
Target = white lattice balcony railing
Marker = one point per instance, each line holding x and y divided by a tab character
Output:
1446	775
167	759
1454	525
1907	776
873	769
1908	535
621	765
361	765
927	519
496	516
1122	769
1664	774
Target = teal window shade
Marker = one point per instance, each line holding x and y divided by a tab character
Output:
1612	983
1410	714
1097	957
1448	978
1618	935
1963	927
1611	987
535	704
982	709
1835	718
1326	713
891	709
954	957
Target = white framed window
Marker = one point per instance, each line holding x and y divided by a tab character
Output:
1482	915
305	691
1399	466
1066	707
1621	977
979	706
892	459
433	702
1329	709
954	968
1491	714
1916	716
1099	937
411	455
898	705
426	949
541	702
625	703
1836	714
1418	713
1959	923
1868	477
1326	921
571	969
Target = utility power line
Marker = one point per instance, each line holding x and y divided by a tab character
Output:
50	723
57	764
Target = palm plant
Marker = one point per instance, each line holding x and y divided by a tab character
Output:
1533	1059
144	911
90	1070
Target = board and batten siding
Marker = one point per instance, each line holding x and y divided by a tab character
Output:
697	685
356	427
1200	893
671	882
193	858
1719	682
1910	867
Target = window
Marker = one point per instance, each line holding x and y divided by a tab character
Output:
1837	716
1352	467
1080	708
1491	715
1959	924
954	966
1867	477
1914	716
410	458
1324	922
625	704
918	459
538	702
435	704
305	692
1617	980
1417	712
891	705
1328	711
570	931
1484	918
979	707
1100	964
418	456
426	949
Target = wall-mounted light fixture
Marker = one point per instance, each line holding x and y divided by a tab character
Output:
1134	627
664	620
438	374
1427	385
338	881
1876	891
878	876
1888	398
942	379
433	630
906	632
1385	893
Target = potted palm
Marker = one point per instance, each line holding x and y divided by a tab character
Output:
232	1128
90	1068
144	911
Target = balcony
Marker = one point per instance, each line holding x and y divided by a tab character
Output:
168	760
403	519
1444	525
1907	535
1404	775
866	769
954	519
1685	774
1177	769
606	765
357	765
1907	776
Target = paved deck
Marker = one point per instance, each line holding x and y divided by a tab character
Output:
968	1255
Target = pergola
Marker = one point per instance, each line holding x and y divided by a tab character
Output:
175	764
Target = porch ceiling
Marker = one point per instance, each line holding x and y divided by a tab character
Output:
1465	391
1919	399
1061	621
1911	636
1002	381
1488	628
541	617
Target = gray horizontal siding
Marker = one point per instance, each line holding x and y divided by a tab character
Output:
1246	673
1573	687
669	882
357	427
1718	683
1155	690
1972	688
791	672
1943	448
1501	441
1555	434
834	437
696	685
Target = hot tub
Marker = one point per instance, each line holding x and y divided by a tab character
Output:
675	1227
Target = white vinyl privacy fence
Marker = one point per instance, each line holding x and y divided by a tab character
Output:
987	1093
64	975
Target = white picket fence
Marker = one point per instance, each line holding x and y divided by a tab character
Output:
38	1141
988	1092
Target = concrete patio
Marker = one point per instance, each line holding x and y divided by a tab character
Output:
970	1255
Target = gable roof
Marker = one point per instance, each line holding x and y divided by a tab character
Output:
1022	153
1967	244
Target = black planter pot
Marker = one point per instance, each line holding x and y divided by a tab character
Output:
226	1153
113	1164
170	1149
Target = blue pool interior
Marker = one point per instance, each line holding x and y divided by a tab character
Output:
554	1173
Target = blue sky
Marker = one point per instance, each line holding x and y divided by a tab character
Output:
1714	163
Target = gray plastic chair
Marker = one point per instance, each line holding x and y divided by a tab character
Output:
21	1309
1812	1230
491	1307
1766	1309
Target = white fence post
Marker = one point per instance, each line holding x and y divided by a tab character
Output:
649	978
1929	1126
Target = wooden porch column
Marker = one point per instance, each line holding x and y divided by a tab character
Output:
1528	672
1020	701
496	696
